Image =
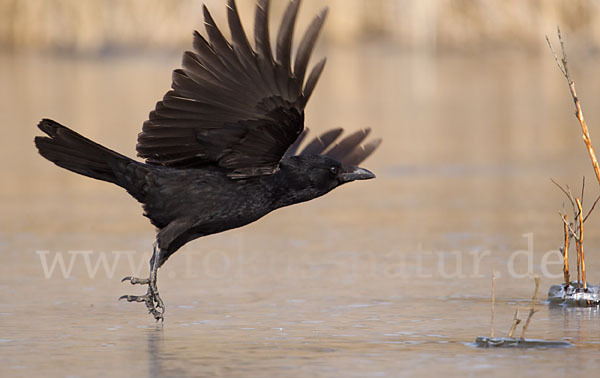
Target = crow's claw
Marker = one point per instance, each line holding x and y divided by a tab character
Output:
152	301
136	298
136	281
157	315
159	303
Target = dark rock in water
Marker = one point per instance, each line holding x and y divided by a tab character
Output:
507	342
574	296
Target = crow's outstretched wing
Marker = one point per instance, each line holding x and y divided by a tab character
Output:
350	150
232	105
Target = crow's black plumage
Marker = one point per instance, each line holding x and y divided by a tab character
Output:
222	147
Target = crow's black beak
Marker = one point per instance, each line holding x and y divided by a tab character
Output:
355	173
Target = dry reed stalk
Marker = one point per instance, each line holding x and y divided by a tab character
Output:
578	112
515	323
493	304
532	309
566	252
580	247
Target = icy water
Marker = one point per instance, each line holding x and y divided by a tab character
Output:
389	277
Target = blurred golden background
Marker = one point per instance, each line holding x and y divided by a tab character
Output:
96	26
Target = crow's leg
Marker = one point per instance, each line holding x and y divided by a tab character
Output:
152	299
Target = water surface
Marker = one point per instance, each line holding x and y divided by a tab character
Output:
389	277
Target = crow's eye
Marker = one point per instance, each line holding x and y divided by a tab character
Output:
333	170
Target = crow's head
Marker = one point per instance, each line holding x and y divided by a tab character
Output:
309	176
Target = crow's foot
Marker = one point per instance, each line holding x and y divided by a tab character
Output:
152	299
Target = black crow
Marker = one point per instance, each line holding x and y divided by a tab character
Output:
221	149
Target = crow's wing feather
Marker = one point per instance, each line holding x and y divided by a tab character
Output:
350	150
231	105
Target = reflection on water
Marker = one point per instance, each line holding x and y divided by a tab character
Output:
389	277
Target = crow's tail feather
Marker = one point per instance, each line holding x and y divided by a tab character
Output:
67	149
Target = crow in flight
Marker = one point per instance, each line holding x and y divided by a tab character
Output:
221	149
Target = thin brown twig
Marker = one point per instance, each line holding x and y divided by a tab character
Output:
568	194
566	253
515	323
591	209
493	303
582	189
578	112
558	63
573	232
580	247
556	56
575	208
532	309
